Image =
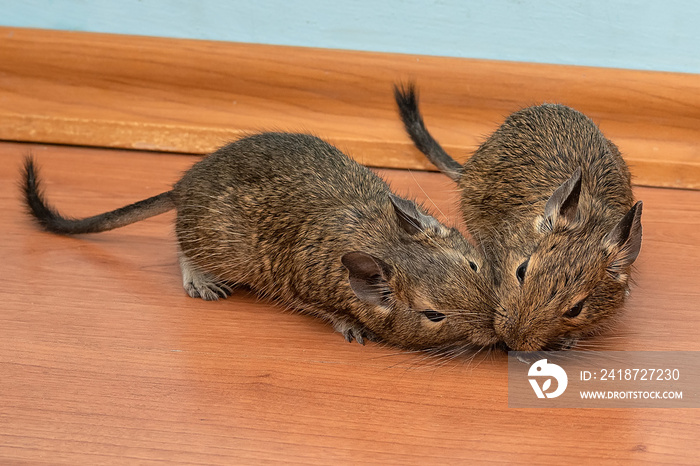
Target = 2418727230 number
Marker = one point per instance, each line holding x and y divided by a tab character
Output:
640	374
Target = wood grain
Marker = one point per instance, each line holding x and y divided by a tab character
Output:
105	360
192	96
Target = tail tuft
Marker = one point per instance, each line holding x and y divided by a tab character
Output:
46	216
406	96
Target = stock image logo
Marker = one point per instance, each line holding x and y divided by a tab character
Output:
604	379
546	372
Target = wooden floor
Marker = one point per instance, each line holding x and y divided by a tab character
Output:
105	359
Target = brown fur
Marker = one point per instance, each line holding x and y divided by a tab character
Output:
296	220
521	199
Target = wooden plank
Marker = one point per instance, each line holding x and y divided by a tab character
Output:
192	96
104	359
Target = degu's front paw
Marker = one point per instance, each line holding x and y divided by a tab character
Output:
355	332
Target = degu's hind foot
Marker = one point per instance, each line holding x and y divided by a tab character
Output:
201	285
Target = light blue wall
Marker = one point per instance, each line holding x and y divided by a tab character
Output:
644	34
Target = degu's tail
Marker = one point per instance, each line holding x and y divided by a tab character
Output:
50	220
406	98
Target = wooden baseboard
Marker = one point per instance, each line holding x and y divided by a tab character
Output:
192	96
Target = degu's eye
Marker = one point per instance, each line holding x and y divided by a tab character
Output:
433	316
520	272
473	266
576	310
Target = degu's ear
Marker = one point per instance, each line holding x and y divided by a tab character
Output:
368	277
564	202
410	218
625	240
